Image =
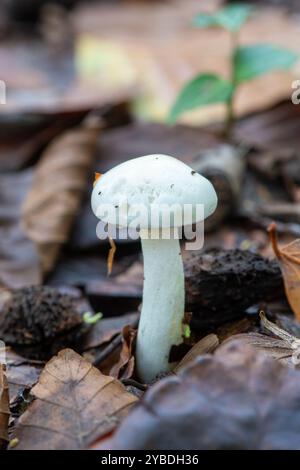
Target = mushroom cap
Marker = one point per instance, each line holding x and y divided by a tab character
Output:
152	181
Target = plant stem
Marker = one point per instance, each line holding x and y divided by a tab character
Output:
230	104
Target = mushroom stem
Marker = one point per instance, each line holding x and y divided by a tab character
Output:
162	314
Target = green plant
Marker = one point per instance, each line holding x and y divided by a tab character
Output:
247	62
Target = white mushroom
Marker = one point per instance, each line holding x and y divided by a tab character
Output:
156	182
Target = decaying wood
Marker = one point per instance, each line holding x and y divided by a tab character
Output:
222	284
39	321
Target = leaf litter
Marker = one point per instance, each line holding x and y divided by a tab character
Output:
289	260
236	399
74	405
240	394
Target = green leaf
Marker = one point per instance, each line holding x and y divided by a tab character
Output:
256	60
232	17
203	90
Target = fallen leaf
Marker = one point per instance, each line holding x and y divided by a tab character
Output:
125	142
4	408
237	399
124	368
289	260
74	405
206	345
288	323
103	331
233	328
274	130
59	184
24	135
111	256
35	76
21	373
284	347
124	291
278	349
19	259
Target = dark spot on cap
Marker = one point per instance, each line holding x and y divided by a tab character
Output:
99	193
193	172
116	207
172	186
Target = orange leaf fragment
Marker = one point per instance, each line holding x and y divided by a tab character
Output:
97	176
111	255
289	261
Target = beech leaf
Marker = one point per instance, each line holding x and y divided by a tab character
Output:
21	374
237	399
58	186
207	344
75	405
289	261
19	258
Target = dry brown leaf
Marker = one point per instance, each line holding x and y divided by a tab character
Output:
4	408
57	190
236	399
289	260
21	374
278	349
284	347
75	405
104	331
19	260
206	345
124	368
111	256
